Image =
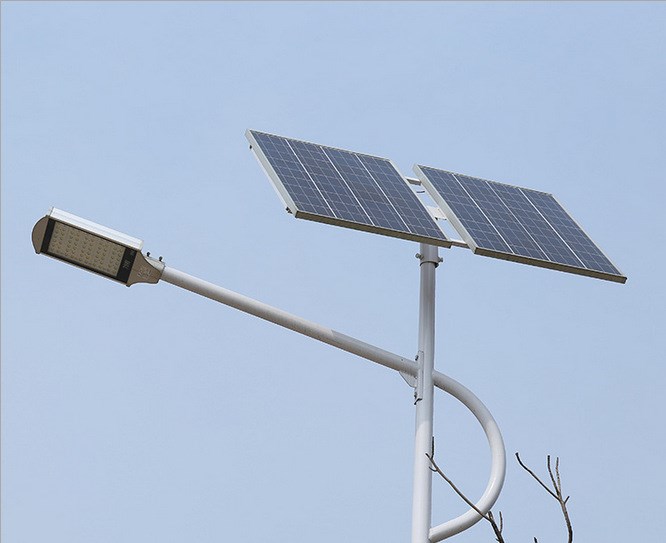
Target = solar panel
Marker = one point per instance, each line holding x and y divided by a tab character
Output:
514	223
348	189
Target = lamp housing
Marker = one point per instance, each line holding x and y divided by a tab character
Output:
95	248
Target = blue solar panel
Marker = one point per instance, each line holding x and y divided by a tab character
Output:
340	187
514	223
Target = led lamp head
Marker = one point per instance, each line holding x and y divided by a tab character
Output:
95	248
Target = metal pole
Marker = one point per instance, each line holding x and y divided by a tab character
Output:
389	360
422	490
287	320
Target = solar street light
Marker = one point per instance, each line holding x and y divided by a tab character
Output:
364	192
95	248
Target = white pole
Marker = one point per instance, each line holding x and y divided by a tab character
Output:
292	322
422	490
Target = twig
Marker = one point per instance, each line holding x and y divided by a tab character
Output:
488	516
528	470
563	502
557	485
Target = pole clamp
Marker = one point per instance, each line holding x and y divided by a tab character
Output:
418	389
436	260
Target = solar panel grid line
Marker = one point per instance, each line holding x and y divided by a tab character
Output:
352	157
532	228
383	192
414	214
533	243
388	202
294	197
311	179
584	245
557	231
355	156
448	212
526	218
493	223
572	256
334	186
341	201
474	201
465	208
525	192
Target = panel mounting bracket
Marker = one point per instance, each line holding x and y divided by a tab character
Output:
409	379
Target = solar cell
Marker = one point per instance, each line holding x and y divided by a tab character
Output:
514	223
344	188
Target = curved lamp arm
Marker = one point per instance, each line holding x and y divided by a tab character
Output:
497	463
382	357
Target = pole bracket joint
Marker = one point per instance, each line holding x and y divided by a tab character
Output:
432	259
418	389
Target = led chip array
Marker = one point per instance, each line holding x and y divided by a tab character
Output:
86	249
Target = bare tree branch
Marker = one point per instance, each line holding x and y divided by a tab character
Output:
489	516
528	470
563	502
552	477
438	470
497	529
557	485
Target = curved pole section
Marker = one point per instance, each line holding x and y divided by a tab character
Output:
497	452
382	357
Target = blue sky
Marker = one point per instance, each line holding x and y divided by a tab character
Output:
148	414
